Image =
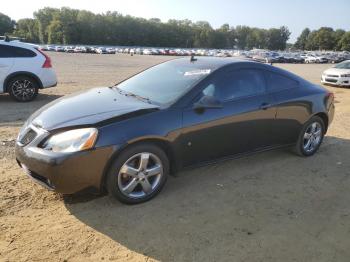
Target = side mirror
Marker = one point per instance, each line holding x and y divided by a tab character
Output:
207	102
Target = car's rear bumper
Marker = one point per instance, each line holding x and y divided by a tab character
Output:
64	173
48	78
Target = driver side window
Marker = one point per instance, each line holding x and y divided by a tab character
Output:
236	84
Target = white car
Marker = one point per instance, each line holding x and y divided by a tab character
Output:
338	75
315	59
24	69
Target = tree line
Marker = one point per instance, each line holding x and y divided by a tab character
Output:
72	26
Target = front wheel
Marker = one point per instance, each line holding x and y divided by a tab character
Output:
23	88
311	137
138	174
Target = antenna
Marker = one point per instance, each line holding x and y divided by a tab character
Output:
192	58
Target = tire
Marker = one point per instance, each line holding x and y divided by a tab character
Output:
130	187
302	148
22	88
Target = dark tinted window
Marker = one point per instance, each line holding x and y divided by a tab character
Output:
236	84
277	82
12	51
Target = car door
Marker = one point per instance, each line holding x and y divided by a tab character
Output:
6	63
291	110
242	123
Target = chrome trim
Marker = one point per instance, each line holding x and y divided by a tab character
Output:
41	134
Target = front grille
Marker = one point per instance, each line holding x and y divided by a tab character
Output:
28	137
331	80
332	75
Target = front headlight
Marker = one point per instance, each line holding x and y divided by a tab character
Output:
345	75
72	140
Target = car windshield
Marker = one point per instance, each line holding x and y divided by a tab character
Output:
343	65
164	83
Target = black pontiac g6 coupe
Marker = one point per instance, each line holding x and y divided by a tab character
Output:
129	137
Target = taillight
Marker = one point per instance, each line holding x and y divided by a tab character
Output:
47	63
330	95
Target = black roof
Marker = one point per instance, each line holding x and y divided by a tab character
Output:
212	63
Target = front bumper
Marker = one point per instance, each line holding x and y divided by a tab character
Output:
64	173
337	81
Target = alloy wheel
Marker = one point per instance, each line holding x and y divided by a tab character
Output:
140	175
312	137
23	89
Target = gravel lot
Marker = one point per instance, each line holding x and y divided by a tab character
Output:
271	206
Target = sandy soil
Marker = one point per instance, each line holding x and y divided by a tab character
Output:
272	206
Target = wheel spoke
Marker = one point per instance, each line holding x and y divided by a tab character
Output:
317	133
146	186
156	170
128	170
144	161
307	146
26	83
313	127
131	186
307	136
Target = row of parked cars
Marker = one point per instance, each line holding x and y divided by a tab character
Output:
256	54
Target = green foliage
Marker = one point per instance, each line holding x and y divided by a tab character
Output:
71	26
324	38
344	42
302	39
6	24
28	29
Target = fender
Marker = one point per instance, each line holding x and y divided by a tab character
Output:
22	73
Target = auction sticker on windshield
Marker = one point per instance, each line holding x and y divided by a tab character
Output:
198	72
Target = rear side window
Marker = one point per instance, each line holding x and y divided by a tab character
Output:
277	82
236	84
7	51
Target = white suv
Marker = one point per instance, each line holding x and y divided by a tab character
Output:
24	70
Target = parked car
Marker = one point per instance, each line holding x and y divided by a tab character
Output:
59	48
101	50
338	75
80	49
184	112
69	49
110	50
24	69
315	59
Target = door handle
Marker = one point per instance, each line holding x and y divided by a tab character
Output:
265	106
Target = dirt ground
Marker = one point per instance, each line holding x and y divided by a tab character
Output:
271	206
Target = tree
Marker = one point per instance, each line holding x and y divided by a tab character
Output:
6	24
345	42
338	34
241	35
325	38
302	39
72	26
44	17
55	32
28	29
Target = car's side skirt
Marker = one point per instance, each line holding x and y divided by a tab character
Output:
236	156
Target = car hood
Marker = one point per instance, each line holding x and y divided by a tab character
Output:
336	71
91	107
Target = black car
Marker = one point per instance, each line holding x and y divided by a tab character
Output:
128	138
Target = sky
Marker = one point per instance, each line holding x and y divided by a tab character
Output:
295	14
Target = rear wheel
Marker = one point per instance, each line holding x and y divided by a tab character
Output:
311	137
23	88
138	174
